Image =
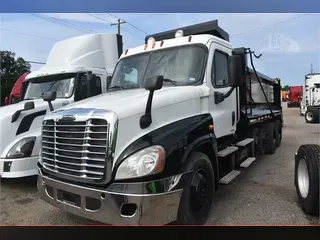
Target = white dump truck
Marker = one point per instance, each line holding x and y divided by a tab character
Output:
68	72
182	115
310	104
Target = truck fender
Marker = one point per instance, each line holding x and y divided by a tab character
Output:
206	144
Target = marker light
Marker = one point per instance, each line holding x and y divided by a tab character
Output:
151	40
179	33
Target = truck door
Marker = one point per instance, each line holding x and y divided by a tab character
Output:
224	113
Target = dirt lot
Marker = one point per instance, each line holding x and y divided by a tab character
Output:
262	194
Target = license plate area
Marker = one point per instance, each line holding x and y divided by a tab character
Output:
70	198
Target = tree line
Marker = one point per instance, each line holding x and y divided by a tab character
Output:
11	68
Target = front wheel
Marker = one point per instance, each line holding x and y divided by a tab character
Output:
307	178
197	197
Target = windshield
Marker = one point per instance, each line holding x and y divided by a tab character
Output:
183	65
63	87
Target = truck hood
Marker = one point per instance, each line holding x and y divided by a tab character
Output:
127	103
8	129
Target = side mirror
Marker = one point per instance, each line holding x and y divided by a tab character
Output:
6	101
153	83
109	78
49	97
235	71
28	106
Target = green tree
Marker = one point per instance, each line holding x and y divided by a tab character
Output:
11	69
285	88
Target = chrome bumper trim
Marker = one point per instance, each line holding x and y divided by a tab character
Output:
152	206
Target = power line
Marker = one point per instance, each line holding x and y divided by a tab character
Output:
28	34
102	19
129	24
63	23
271	25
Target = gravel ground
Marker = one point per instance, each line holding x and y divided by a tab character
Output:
262	194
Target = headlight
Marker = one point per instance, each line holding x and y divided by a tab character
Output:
22	149
145	162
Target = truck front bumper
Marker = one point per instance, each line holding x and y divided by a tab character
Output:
155	202
20	167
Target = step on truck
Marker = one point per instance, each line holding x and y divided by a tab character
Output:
69	73
310	104
183	114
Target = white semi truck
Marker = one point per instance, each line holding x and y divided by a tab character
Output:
183	114
67	72
310	104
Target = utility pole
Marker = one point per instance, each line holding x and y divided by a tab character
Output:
118	24
311	68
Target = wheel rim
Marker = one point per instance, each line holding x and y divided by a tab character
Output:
309	116
303	178
199	190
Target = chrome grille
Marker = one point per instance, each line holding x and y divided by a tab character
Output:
76	148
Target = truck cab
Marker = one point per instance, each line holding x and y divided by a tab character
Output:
311	98
182	115
76	69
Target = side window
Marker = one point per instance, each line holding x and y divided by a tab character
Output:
219	72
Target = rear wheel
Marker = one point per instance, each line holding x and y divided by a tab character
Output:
278	133
257	135
270	138
196	201
307	178
312	115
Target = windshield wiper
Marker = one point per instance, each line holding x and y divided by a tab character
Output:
170	81
116	87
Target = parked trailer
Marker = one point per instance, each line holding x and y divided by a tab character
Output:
182	115
306	177
284	96
294	96
67	72
310	105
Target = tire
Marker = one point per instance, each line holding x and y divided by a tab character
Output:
190	211
312	115
307	169
257	135
270	138
278	133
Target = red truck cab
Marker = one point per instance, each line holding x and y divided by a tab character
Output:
14	96
294	96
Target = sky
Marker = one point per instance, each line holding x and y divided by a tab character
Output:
289	43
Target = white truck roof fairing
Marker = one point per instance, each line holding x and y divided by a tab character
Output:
87	51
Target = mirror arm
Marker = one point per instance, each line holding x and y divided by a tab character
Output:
229	92
50	106
146	119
